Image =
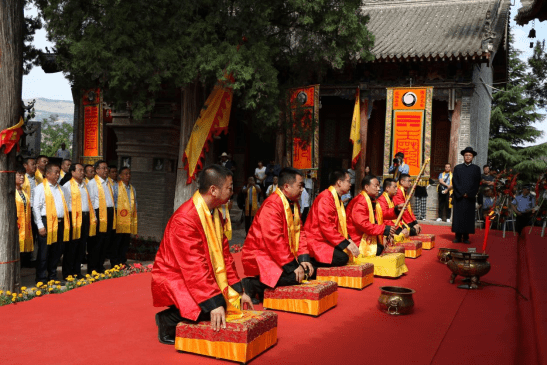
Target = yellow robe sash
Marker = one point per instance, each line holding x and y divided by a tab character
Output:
228	223
26	186
254	200
62	174
293	220
126	216
341	214
76	216
51	215
380	217
38	177
214	235
24	218
103	218
368	244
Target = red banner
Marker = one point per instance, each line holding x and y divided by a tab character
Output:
91	130
408	132
302	103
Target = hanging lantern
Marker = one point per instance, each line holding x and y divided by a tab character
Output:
530	44
532	33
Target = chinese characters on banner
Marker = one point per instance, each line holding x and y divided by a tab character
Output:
408	132
303	104
92	123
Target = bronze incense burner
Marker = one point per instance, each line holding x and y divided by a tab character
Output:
444	254
396	300
470	265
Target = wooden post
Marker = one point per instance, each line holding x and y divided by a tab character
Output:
360	173
11	81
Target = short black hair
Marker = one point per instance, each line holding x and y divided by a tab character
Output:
367	180
288	175
40	156
20	169
67	159
387	182
123	169
98	163
26	160
72	167
51	165
484	166
447	163
338	174
86	166
400	154
112	167
212	175
403	176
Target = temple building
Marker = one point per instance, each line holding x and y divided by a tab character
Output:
428	92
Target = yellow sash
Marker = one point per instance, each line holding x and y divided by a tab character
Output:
26	243
368	244
228	223
62	173
76	217
103	218
26	186
342	220
214	235
38	177
126	216
86	180
51	215
380	217
405	197
253	202
293	223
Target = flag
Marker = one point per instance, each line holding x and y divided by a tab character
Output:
355	131
213	120
10	137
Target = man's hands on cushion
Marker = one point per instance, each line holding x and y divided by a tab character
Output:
299	273
218	318
353	248
418	228
308	268
246	300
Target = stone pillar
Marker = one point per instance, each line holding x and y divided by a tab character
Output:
151	149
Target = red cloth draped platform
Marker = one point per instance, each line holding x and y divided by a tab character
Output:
112	322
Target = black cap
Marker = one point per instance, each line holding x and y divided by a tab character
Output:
468	149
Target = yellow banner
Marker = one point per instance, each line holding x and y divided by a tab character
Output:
355	131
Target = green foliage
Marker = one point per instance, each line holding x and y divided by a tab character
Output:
514	111
134	48
54	133
30	53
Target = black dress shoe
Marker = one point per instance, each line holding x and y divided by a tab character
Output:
457	240
166	335
466	241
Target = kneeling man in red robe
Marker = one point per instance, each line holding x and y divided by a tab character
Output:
274	253
389	211
408	218
194	273
325	228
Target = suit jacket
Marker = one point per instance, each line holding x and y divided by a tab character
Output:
266	250
182	274
321	229
357	218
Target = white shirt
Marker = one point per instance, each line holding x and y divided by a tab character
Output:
64	154
83	196
94	193
32	182
308	183
260	173
304	201
272	188
39	207
352	174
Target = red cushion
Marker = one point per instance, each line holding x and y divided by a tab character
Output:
314	290
356	271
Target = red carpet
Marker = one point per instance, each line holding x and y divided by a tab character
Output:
112	322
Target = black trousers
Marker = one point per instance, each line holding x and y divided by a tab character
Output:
119	250
304	215
253	286
248	222
97	249
340	258
171	317
49	255
522	221
75	250
443	206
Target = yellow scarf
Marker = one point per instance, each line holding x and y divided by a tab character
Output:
23	223
293	223
38	177
405	197
368	244
103	217
253	202
214	235
76	217
380	217
51	215
228	224
126	216
26	186
62	174
86	180
342	220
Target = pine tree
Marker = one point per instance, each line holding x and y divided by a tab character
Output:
513	114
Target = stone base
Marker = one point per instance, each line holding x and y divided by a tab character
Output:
312	298
350	276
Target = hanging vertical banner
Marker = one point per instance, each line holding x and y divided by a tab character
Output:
409	127
304	113
355	131
91	139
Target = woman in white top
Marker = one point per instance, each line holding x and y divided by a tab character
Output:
260	175
272	188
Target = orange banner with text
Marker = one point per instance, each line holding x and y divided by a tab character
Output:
407	137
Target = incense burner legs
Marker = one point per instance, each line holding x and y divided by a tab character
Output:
470	265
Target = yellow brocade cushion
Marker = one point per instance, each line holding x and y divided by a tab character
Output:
390	264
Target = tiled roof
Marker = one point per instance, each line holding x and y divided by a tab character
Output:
531	9
436	29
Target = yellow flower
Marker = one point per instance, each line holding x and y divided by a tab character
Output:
117	267
93	273
88	276
24	288
13	299
57	282
58	286
50	289
70	279
1	292
8	293
38	293
39	284
102	275
50	282
96	277
20	295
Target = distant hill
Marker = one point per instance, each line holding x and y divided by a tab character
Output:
46	107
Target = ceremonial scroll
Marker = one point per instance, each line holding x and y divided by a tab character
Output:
408	128
303	115
91	137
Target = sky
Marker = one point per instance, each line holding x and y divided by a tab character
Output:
38	84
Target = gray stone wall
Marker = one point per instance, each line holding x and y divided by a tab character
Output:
464	127
480	111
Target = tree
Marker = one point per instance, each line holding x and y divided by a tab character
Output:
11	80
513	114
54	133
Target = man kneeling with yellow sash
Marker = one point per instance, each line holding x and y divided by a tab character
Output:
194	273
364	227
274	254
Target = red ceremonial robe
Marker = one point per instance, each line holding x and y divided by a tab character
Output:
182	274
408	216
388	214
321	228
357	220
266	248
